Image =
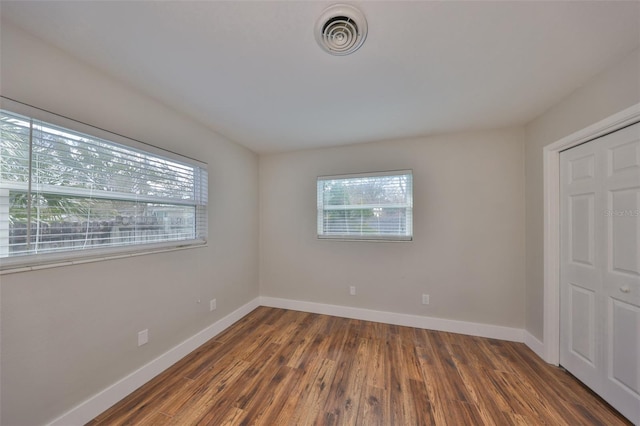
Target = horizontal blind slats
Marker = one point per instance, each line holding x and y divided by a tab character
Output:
90	193
58	163
370	206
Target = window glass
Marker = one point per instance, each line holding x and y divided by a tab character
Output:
66	191
374	206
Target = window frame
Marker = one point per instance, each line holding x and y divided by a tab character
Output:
321	235
25	262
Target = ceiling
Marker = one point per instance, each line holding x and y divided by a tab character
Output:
253	72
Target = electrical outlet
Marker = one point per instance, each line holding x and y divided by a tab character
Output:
143	337
425	299
352	290
212	305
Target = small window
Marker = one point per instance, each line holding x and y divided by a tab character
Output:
66	194
368	206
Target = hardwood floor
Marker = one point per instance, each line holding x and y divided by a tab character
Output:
280	367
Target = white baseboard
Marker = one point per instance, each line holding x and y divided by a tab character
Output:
534	344
440	324
98	403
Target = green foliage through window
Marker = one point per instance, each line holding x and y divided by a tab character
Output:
61	190
367	206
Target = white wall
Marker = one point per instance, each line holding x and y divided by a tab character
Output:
69	332
610	92
468	248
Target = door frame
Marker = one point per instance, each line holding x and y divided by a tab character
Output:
551	206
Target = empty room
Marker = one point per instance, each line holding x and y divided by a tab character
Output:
319	213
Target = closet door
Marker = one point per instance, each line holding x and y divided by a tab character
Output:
581	266
621	276
600	267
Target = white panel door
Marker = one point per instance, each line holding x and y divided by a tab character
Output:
581	267
621	276
600	267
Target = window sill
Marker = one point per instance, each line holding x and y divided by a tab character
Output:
366	239
96	257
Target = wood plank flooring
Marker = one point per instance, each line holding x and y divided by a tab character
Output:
281	367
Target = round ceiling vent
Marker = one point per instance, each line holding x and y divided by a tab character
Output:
341	29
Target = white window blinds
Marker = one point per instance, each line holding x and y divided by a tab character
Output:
66	191
371	206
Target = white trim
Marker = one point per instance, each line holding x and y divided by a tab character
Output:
534	344
152	249
366	174
407	205
98	403
551	205
431	323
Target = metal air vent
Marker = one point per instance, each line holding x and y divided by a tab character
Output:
341	29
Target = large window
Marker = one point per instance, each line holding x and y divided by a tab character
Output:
369	206
70	193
